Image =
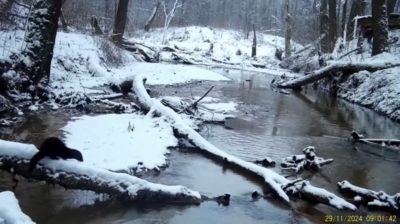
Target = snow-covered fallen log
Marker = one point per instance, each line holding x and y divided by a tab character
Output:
346	67
277	183
71	174
10	212
373	199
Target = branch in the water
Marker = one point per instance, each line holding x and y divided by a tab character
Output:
371	198
77	175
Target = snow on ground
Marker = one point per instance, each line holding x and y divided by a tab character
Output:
163	74
10	212
121	141
226	43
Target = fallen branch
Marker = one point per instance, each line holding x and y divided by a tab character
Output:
273	180
194	105
14	157
372	199
308	161
346	67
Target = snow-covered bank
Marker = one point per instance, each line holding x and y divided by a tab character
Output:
83	176
379	91
121	141
10	212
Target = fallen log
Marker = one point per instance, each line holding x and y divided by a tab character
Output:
347	67
274	181
391	143
71	174
370	198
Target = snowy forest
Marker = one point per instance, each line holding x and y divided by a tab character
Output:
196	111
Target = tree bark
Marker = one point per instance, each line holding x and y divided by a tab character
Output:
120	21
344	13
34	62
254	47
380	27
324	26
288	32
332	24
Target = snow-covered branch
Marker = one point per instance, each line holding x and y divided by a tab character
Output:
371	198
71	174
277	183
10	212
169	16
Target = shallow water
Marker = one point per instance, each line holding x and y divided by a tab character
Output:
270	124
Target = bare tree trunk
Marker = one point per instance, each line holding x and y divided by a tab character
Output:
332	24
324	26
95	25
120	21
288	33
254	47
152	17
33	64
380	27
344	12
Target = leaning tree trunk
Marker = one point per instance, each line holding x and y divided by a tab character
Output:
344	12
120	21
380	27
152	17
30	71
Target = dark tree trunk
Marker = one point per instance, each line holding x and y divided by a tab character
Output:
332	24
391	4
344	12
152	17
120	21
95	25
380	27
254	47
357	9
324	26
33	64
42	29
288	32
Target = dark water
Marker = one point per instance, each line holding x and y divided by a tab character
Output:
270	124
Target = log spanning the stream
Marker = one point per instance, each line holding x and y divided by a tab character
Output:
346	67
279	185
71	174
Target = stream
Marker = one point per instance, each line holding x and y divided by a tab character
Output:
269	123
